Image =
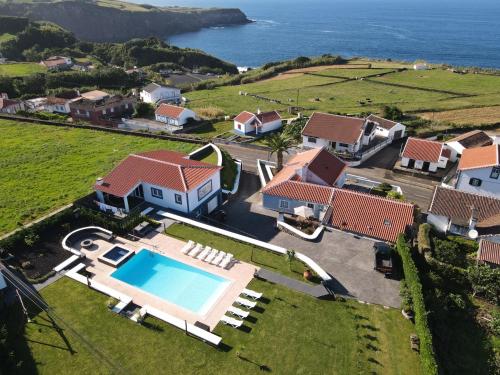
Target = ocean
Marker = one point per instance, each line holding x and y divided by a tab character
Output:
462	33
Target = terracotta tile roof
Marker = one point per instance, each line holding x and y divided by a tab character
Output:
265	117
301	191
460	206
472	139
168	169
334	128
151	87
244	117
382	122
422	149
489	252
95	95
54	61
370	215
168	110
4	103
480	157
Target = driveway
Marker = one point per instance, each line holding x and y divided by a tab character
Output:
347	258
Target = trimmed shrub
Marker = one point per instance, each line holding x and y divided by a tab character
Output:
427	356
424	240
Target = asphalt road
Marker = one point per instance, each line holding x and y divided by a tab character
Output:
416	190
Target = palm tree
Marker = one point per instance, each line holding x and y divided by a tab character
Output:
279	143
290	256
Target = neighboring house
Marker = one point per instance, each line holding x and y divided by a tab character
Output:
489	253
348	134
11	106
420	66
174	115
61	103
57	63
314	179
424	155
101	109
460	213
164	178
479	171
35	104
472	139
154	93
257	123
3	60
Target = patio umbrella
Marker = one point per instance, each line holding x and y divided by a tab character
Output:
303	211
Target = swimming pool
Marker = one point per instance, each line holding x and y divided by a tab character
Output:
189	287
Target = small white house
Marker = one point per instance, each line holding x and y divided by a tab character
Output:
424	155
420	66
174	115
154	93
479	171
387	128
11	106
257	123
472	139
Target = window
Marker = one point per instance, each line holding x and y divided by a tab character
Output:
284	204
387	222
178	198
495	173
311	139
310	205
112	109
475	182
157	193
345	145
239	126
205	190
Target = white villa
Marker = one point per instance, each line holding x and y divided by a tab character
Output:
164	178
257	123
424	155
174	115
154	93
348	134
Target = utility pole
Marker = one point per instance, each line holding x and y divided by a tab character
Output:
22	305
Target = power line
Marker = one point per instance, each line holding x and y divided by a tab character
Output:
27	291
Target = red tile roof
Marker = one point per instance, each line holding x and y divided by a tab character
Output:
422	149
474	138
480	157
169	110
168	169
382	122
4	103
370	215
265	117
244	117
334	128
301	191
489	252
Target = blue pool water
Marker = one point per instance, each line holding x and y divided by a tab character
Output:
181	284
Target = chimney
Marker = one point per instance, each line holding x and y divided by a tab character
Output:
258	111
99	181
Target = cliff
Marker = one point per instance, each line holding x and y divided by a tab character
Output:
115	21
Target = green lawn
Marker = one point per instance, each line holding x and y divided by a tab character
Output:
45	167
210	130
290	334
21	69
242	251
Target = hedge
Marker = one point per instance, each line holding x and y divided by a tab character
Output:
427	356
424	241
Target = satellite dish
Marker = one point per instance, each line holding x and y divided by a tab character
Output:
473	234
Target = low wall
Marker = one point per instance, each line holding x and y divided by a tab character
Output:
300	234
274	248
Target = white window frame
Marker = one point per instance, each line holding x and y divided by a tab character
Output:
156	193
284	204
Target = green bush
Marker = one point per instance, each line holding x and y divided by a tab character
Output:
449	252
424	240
427	356
485	282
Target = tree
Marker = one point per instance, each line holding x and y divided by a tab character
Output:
144	110
290	256
279	143
485	282
391	112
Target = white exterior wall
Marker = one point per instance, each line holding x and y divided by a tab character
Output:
168	200
183	118
245	126
193	193
382	132
270	126
439	222
319	142
442	162
419	164
456	149
161	93
61	108
489	186
396	128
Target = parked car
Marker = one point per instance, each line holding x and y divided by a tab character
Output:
383	261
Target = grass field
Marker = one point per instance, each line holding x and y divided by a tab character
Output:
20	69
290	334
475	116
45	167
318	89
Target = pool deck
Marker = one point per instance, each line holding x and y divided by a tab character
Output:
240	274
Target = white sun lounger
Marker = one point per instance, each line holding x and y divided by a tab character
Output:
251	294
238	312
187	247
245	302
196	250
211	256
225	262
204	253
231	321
218	258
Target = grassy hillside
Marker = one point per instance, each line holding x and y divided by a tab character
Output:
45	167
21	69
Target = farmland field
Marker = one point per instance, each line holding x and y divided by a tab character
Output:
20	69
50	166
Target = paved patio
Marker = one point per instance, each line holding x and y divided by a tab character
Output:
239	275
347	258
